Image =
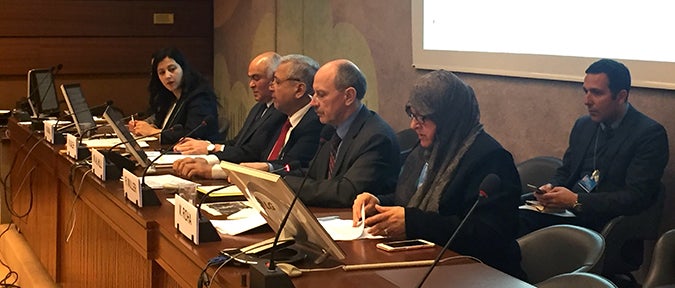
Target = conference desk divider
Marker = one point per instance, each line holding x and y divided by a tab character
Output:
87	234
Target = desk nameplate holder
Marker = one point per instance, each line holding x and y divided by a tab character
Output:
104	169
74	150
187	222
51	133
133	191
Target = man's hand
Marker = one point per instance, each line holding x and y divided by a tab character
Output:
191	146
192	167
368	201
556	197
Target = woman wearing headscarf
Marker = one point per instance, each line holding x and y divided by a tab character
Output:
180	101
439	182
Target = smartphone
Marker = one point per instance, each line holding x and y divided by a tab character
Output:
404	245
535	189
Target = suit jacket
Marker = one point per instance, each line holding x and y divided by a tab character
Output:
190	110
254	135
368	160
301	144
630	168
490	232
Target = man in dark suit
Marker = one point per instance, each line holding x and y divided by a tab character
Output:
296	140
615	159
262	122
362	153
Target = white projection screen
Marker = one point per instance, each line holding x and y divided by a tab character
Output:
545	39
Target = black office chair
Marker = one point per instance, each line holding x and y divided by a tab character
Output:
537	171
625	237
559	249
662	269
407	140
579	279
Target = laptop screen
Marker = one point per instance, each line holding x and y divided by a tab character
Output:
42	93
78	108
116	121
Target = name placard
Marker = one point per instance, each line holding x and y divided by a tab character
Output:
98	164
132	187
49	128
71	145
186	219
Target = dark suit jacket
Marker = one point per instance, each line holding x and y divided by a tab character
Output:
254	136
301	144
368	160
190	110
630	169
490	232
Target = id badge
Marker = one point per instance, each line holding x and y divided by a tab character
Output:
588	183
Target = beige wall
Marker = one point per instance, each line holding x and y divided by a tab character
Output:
529	117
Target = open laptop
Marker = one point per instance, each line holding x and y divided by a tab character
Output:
79	109
42	93
270	195
117	123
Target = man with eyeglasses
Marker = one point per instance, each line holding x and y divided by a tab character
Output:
295	141
361	153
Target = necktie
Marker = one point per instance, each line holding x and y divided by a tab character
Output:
281	140
335	143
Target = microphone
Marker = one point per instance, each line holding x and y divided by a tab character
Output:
290	166
490	183
145	171
269	276
174	127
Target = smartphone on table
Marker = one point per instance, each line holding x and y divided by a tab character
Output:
404	245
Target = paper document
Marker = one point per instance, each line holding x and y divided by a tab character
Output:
343	230
168	159
534	205
239	222
231	190
108	142
166	181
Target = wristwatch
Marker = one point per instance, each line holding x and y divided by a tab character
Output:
211	147
577	206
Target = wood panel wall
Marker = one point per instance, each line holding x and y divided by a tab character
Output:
103	45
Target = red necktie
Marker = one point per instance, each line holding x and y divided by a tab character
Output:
281	140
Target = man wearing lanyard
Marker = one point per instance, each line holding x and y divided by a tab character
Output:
615	159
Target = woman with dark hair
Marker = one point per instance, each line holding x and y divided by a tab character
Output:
440	180
178	95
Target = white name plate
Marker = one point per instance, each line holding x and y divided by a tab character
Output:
71	145
186	219
49	128
132	187
98	164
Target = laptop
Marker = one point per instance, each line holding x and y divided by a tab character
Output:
79	109
117	122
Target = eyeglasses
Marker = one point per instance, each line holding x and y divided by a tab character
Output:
419	118
277	81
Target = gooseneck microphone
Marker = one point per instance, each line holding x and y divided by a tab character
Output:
490	183
269	276
145	171
290	166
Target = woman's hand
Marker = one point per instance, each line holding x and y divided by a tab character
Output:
142	128
388	222
368	201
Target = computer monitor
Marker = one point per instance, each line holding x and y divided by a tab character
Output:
42	93
270	194
78	108
116	121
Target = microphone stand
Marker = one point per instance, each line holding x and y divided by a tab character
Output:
489	181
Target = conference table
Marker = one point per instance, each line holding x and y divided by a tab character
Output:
86	234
